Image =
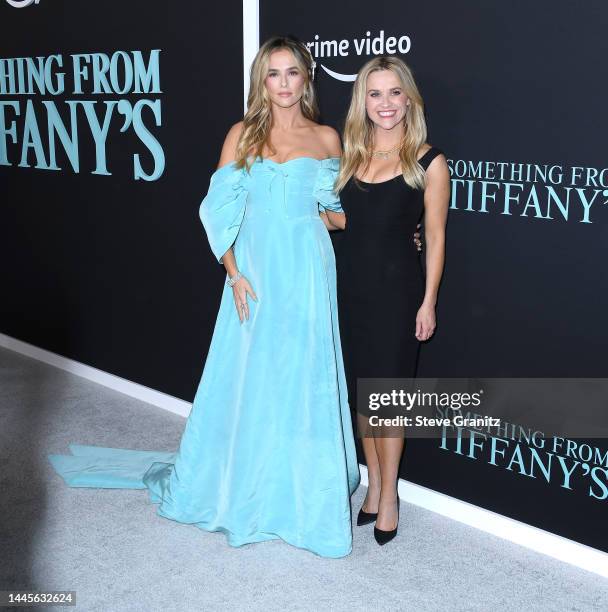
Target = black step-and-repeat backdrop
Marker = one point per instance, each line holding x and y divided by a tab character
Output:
112	118
516	98
111	122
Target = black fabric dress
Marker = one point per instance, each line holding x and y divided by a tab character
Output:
380	279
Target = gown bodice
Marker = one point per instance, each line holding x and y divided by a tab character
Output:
270	192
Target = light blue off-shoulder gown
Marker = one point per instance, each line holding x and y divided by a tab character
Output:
268	450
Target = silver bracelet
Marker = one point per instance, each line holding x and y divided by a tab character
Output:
232	279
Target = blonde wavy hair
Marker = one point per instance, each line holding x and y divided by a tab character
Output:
257	122
359	128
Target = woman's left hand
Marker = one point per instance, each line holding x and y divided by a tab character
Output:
425	322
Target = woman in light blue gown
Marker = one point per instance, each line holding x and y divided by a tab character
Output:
268	448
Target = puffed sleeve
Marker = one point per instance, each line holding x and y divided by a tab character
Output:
324	187
223	208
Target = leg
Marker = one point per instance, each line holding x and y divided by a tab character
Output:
373	467
388	450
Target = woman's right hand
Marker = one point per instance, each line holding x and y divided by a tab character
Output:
240	289
417	239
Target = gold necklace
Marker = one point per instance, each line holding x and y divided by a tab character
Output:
385	154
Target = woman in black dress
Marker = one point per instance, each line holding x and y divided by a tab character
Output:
389	178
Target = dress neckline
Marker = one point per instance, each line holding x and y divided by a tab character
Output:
394	177
267	159
378	182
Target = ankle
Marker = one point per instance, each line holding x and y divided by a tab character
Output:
389	496
374	482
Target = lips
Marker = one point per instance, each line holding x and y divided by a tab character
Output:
391	113
285	94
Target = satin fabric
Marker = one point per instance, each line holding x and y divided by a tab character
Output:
268	449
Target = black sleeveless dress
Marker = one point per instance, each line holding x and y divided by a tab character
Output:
380	278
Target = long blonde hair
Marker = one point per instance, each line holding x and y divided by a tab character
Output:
257	122
359	128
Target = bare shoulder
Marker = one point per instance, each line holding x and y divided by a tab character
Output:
331	139
236	129
230	144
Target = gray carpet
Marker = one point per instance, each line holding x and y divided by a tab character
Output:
118	555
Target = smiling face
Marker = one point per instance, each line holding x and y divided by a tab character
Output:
284	80
385	100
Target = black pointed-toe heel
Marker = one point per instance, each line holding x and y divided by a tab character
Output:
365	518
382	537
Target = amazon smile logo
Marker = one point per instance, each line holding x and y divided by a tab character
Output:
366	46
22	3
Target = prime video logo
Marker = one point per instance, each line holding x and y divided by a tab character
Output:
22	3
364	46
